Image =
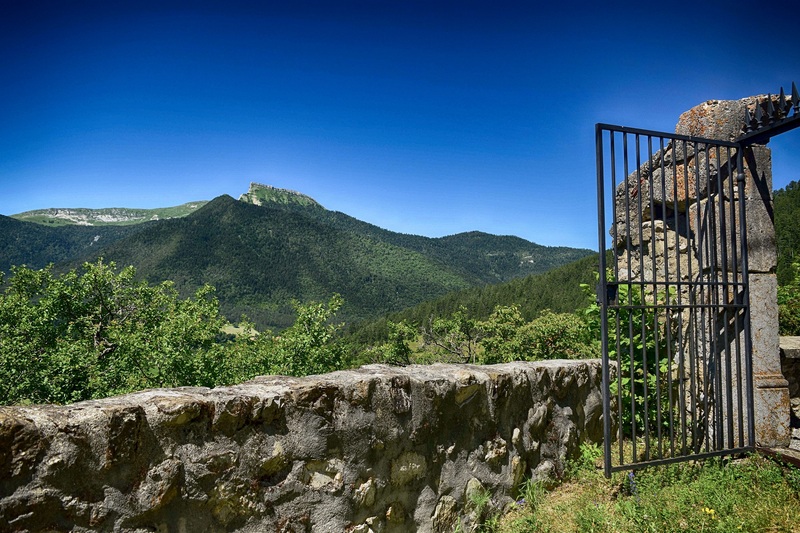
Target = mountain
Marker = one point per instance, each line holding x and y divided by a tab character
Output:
35	245
558	289
479	257
261	257
104	217
276	245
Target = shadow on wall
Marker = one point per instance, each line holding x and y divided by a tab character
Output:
378	448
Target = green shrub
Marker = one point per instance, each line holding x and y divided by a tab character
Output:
507	337
789	303
78	336
558	336
641	342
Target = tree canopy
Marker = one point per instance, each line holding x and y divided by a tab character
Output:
100	332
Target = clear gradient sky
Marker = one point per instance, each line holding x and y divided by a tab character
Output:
422	117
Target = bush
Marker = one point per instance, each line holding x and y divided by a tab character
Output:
549	336
75	337
99	333
640	345
789	303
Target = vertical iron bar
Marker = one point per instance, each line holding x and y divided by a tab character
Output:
736	229
703	359
628	309
693	282
726	300
618	356
655	304
667	296
684	299
603	297
748	346
713	318
643	301
683	331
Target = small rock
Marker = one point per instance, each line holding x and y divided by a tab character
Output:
365	494
396	514
408	467
445	517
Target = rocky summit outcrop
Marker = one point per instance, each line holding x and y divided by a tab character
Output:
375	449
260	194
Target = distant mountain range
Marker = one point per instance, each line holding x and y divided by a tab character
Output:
273	246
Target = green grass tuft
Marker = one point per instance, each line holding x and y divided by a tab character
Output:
723	495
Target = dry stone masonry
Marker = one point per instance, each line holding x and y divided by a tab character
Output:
689	185
724	120
790	367
375	449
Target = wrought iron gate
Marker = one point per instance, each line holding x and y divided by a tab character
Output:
674	299
673	290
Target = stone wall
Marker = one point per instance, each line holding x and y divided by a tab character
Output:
375	449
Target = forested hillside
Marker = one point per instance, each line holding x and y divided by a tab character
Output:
787	234
787	229
98	331
484	257
558	290
34	245
274	246
481	257
259	258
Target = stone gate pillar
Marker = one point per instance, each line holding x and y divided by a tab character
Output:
724	120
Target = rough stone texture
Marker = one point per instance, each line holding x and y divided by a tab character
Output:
719	119
663	231
374	449
682	178
761	244
723	120
771	392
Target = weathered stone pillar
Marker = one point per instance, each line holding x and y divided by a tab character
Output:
724	120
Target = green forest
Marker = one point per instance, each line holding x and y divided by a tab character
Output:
787	236
98	330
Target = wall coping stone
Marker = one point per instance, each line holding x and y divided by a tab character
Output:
790	347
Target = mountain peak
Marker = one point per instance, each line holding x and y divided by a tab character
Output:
260	194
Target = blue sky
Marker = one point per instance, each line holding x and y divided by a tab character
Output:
428	117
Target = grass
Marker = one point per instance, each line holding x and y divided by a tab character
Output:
723	495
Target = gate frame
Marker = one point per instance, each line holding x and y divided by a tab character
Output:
604	297
764	118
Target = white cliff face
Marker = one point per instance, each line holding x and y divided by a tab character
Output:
375	449
90	218
111	215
